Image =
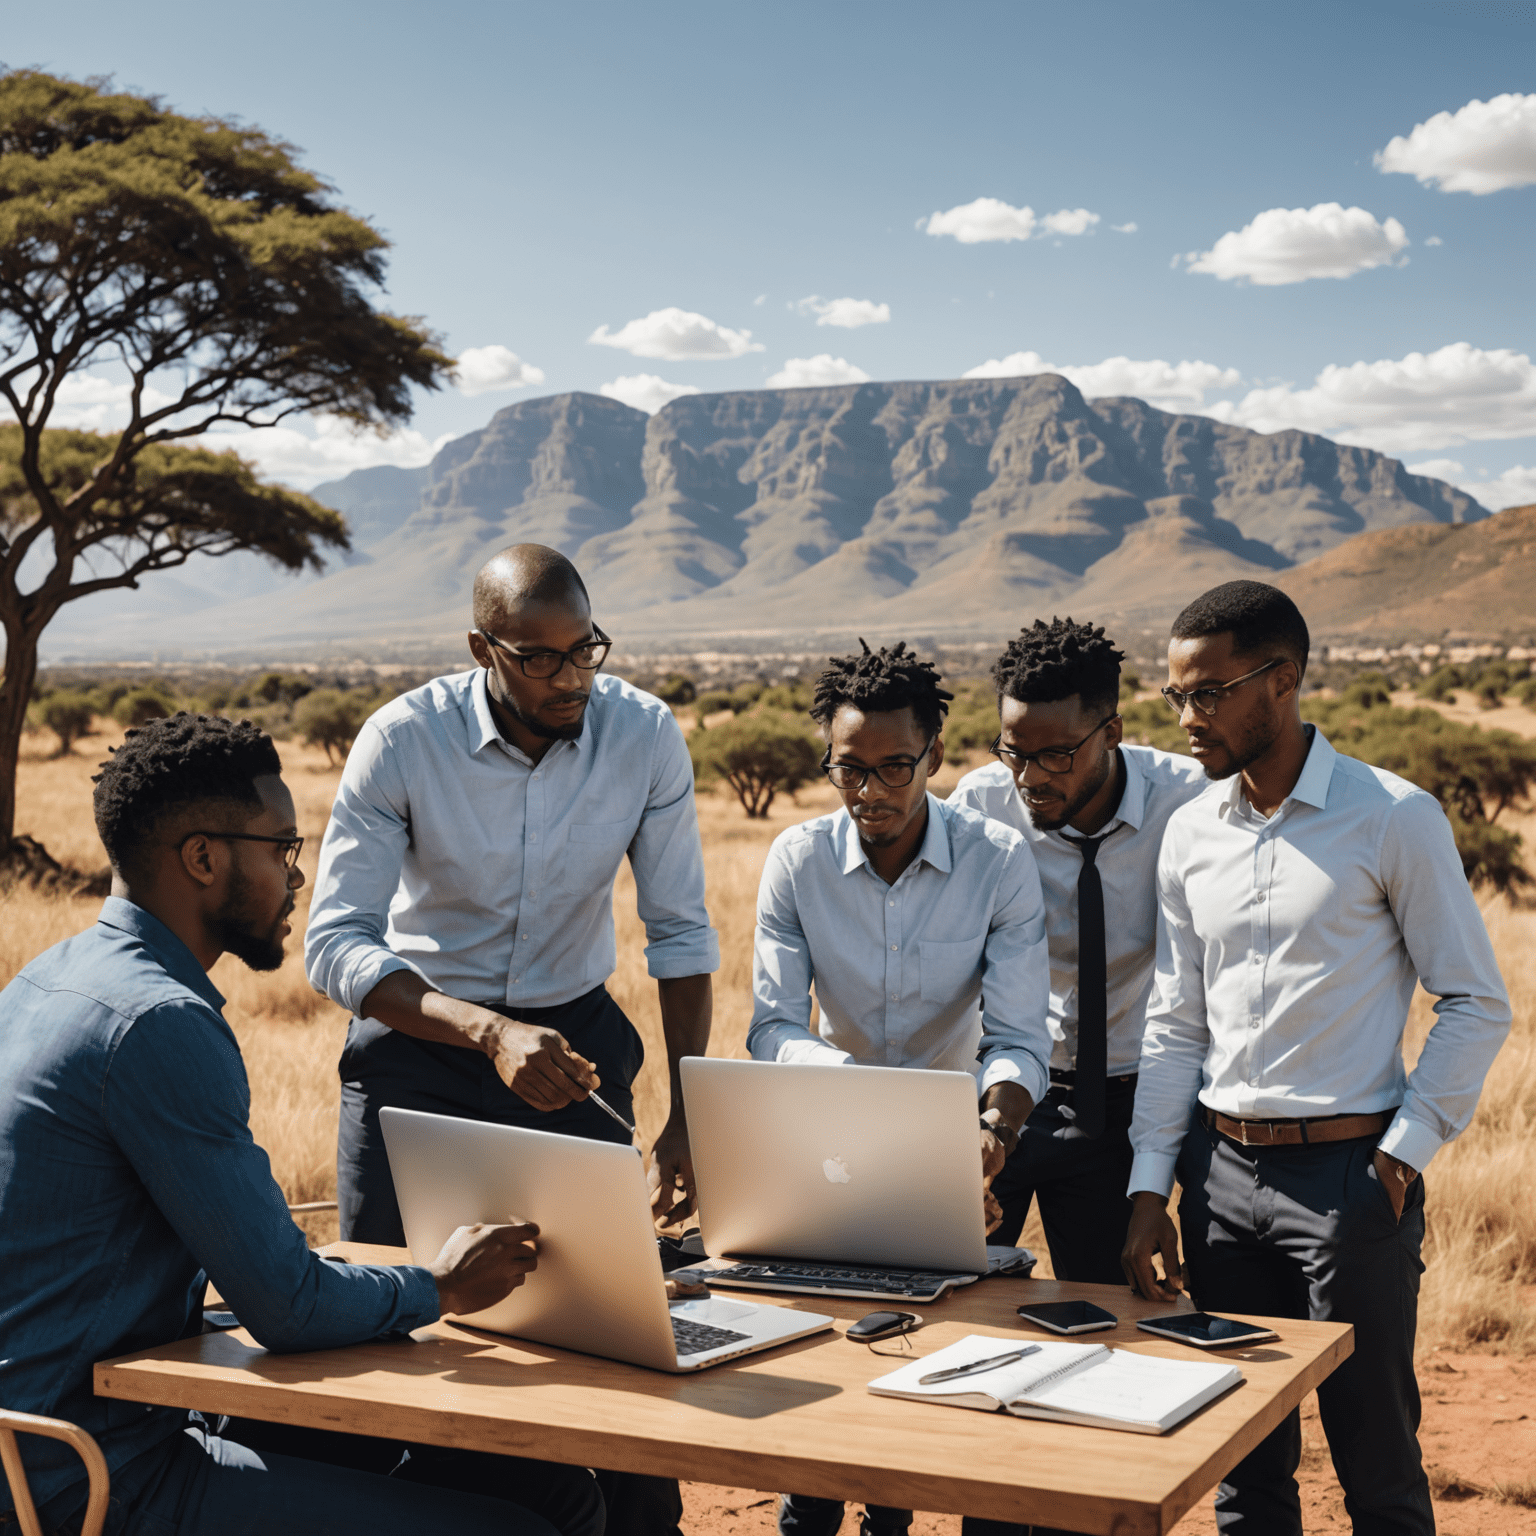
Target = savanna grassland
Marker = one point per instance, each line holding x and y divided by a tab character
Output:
1479	1295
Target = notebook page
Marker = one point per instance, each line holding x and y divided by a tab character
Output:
1141	1388
1004	1383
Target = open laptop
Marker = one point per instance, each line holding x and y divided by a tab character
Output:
598	1287
839	1180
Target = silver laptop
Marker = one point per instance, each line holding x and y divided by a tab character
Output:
845	1180
598	1287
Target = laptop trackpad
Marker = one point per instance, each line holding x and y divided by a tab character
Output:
712	1310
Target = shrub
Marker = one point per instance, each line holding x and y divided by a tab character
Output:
331	718
971	725
279	688
1440	684
711	702
794	698
68	715
758	755
677	689
141	704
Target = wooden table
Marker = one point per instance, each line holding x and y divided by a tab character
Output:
795	1418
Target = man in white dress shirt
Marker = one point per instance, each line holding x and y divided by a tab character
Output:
1092	811
463	909
901	911
1303	895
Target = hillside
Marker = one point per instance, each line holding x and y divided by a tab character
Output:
1405	583
949	507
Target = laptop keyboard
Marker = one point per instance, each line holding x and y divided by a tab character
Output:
796	1275
694	1338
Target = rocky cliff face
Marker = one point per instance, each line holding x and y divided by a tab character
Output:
953	505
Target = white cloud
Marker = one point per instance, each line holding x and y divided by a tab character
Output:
90	403
1289	245
989	218
759	301
850	314
1439	469
1168	386
483	369
816	372
1486	146
676	335
1434	240
1413	404
331	449
645	391
1516	487
1124	229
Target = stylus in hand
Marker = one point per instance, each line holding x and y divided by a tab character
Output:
611	1112
977	1366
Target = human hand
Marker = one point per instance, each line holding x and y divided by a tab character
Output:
994	1153
991	1211
1152	1231
670	1174
481	1264
1396	1176
538	1064
683	1290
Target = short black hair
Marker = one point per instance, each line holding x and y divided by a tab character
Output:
880	681
1263	622
168	764
1057	661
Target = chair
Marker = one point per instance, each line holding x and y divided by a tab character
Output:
13	1424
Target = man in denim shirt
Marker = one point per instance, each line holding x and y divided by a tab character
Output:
128	1178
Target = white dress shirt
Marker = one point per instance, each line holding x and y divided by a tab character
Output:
1156	785
898	968
1286	962
450	853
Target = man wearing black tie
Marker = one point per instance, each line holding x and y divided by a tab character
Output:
1093	811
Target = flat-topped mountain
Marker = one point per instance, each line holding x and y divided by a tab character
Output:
967	505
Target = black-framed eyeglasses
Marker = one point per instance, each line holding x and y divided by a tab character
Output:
892	775
587	657
1052	759
1207	699
292	846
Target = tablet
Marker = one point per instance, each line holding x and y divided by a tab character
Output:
1204	1331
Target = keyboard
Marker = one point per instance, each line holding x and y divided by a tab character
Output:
694	1338
828	1279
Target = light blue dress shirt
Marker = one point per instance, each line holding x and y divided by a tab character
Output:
898	968
1287	957
1156	785
451	854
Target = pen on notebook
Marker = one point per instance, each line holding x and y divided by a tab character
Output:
611	1112
977	1366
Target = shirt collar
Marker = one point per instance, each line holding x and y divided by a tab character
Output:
935	849
179	961
1311	788
1133	802
482	723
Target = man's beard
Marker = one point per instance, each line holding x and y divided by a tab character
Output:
235	926
1256	739
542	727
1075	805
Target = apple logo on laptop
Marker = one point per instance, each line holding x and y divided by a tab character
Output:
836	1171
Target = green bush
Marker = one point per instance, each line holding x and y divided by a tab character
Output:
279	688
793	698
139	705
1526	692
759	755
331	718
711	702
1130	686
971	725
68	713
1440	684
677	689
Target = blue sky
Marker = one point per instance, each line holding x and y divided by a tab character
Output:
547	170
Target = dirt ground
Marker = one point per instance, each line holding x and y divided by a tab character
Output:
1479	1432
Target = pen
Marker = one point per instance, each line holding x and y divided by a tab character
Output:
612	1113
977	1366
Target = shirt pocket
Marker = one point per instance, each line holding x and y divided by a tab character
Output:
947	971
595	851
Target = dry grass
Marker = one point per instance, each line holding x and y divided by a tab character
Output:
1482	1227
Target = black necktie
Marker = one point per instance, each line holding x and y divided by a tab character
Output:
1092	1063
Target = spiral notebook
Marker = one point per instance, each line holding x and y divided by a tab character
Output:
1073	1383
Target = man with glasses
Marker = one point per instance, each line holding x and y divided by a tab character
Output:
1092	810
901	911
1303	896
463	908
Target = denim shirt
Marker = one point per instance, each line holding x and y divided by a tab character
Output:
128	1179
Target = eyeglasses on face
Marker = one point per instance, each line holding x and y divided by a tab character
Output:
893	775
587	657
291	846
1206	700
1052	759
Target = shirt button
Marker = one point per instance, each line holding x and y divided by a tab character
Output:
895	946
893	997
1260	896
890	903
533	837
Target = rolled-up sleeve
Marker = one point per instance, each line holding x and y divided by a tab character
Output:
1447	941
1016	983
176	1101
1177	1037
345	955
668	862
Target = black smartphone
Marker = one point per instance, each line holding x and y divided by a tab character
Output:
1068	1316
882	1325
1204	1331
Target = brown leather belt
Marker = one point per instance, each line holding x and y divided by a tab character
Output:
1297	1133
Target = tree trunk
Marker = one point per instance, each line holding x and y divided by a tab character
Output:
15	694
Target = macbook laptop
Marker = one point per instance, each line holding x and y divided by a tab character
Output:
598	1287
843	1180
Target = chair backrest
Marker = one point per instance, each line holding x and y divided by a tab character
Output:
13	1424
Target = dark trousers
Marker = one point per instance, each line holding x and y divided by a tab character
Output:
383	1067
1309	1232
250	1479
1080	1182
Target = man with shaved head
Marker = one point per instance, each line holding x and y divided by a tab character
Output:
463	909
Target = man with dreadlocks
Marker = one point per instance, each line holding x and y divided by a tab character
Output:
1093	811
902	911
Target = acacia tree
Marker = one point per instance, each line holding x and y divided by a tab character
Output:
221	285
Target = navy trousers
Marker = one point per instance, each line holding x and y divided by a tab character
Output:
1308	1231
